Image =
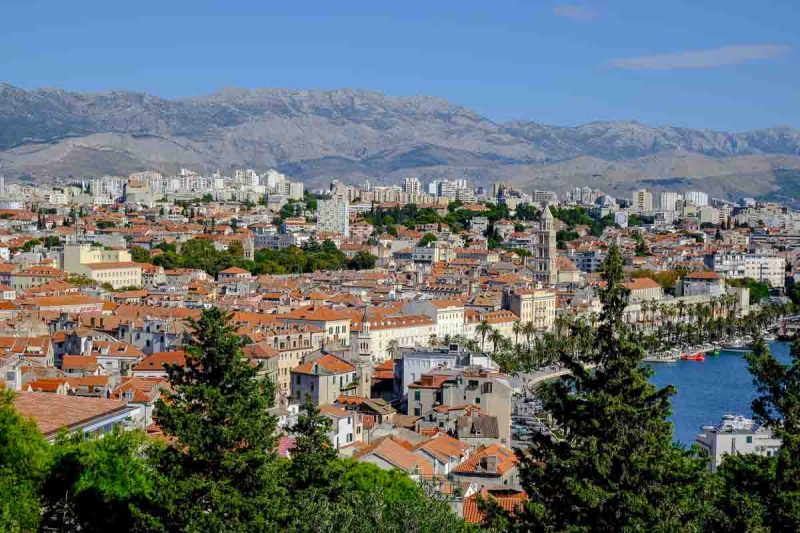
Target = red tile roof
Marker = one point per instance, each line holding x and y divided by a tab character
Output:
52	412
477	463
509	499
327	363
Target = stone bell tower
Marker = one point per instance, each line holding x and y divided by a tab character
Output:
363	360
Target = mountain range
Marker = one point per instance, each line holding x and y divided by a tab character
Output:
350	135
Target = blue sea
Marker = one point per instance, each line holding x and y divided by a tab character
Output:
709	389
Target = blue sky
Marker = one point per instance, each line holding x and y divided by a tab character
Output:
731	65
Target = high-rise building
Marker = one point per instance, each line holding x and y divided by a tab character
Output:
333	216
642	200
669	201
412	186
295	190
698	198
447	189
545	197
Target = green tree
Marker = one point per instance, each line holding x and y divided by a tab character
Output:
97	484
778	407
30	244
24	458
613	465
140	255
219	471
314	455
236	249
426	239
362	261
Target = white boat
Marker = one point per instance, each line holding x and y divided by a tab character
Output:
732	422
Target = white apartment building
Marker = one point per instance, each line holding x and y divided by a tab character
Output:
412	186
736	436
708	215
333	216
769	268
698	198
668	201
448	314
642	201
407	331
532	305
545	197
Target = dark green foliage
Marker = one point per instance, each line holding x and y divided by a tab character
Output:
614	467
201	254
52	241
140	255
578	216
97	484
778	407
758	290
292	209
30	244
566	235
427	239
346	496
23	468
219	471
640	220
362	261
310	200
314	458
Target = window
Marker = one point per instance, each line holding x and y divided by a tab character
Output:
749	439
417	395
418	411
478	399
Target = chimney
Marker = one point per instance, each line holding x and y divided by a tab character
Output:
491	464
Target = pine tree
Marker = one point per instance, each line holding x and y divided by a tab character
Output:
778	407
219	471
314	456
612	465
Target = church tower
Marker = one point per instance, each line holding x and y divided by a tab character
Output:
544	252
363	360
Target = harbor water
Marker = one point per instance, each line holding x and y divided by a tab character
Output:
709	389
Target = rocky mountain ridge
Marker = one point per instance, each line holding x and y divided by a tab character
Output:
353	134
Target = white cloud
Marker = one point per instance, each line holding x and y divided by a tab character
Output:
575	11
703	59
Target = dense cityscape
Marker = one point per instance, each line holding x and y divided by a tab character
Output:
408	339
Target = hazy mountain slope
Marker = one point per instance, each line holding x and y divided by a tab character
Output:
349	134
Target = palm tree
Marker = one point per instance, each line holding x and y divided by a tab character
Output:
447	340
472	345
483	329
495	337
681	309
529	329
645	308
517	329
392	348
433	341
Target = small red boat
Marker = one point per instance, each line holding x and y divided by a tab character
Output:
694	357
